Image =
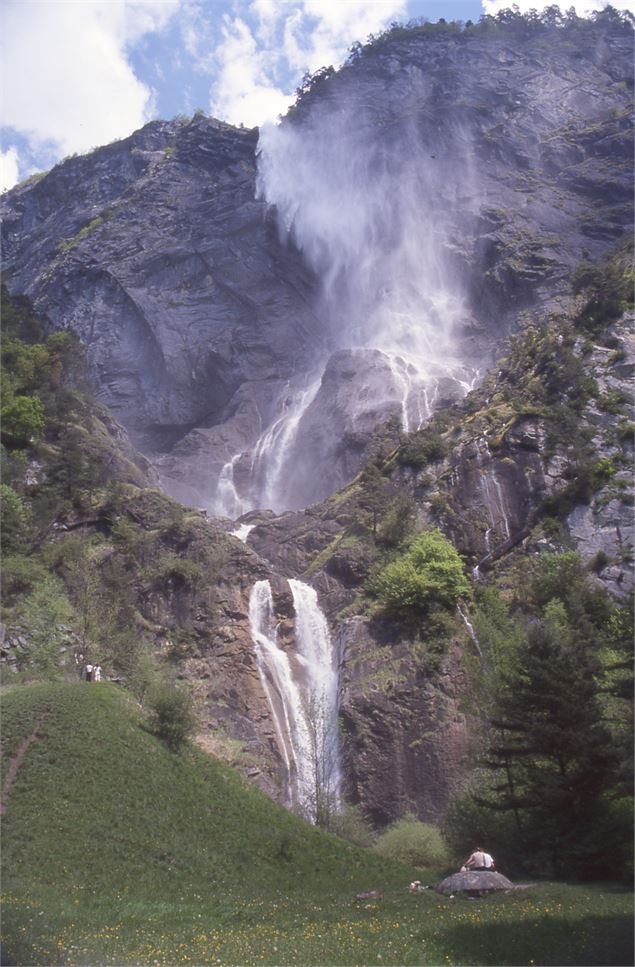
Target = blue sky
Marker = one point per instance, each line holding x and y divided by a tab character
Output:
81	73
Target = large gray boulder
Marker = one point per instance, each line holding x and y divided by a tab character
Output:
481	881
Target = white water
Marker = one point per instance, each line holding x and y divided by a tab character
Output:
470	629
242	532
493	496
371	216
283	694
228	501
302	694
275	446
314	645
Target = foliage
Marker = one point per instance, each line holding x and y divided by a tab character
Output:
23	420
428	574
607	289
422	447
349	822
20	575
414	843
559	705
375	490
398	521
13	517
45	611
321	806
171	714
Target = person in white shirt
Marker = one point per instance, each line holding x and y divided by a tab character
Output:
97	673
480	860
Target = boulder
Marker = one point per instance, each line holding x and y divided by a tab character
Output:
474	881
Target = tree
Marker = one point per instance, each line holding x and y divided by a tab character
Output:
171	714
23	420
375	493
414	843
429	573
323	754
13	517
552	751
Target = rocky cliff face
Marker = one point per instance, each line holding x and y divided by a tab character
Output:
252	352
505	158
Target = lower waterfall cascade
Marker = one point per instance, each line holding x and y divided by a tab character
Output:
301	691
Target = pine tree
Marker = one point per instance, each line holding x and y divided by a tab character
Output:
551	749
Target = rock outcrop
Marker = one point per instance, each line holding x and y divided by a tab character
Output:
474	883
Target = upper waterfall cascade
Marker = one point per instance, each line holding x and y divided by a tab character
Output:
372	221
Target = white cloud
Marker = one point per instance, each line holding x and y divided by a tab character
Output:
244	92
67	81
325	29
582	7
285	38
9	162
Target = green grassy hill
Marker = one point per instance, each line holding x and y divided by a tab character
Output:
117	851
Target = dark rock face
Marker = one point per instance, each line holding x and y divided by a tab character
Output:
155	251
203	330
408	742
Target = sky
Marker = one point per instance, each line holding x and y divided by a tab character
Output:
77	74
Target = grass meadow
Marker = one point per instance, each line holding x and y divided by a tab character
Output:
117	851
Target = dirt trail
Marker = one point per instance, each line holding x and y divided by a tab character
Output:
16	762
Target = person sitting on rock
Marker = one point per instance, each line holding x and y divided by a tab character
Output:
480	860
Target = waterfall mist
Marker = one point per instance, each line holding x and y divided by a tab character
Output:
371	210
374	203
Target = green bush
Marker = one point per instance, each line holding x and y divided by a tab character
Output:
351	824
171	714
429	573
13	517
414	843
23	420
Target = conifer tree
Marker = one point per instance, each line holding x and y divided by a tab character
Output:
557	768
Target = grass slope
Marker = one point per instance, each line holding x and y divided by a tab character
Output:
116	851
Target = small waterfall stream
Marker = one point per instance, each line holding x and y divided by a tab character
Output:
301	691
470	630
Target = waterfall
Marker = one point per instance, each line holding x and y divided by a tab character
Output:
492	492
274	447
470	630
372	217
315	648
242	532
282	692
301	691
228	502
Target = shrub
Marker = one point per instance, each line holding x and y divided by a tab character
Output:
351	824
171	714
23	420
430	572
422	447
13	516
414	843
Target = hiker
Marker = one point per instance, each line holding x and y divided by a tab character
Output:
89	673
79	663
97	673
479	861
